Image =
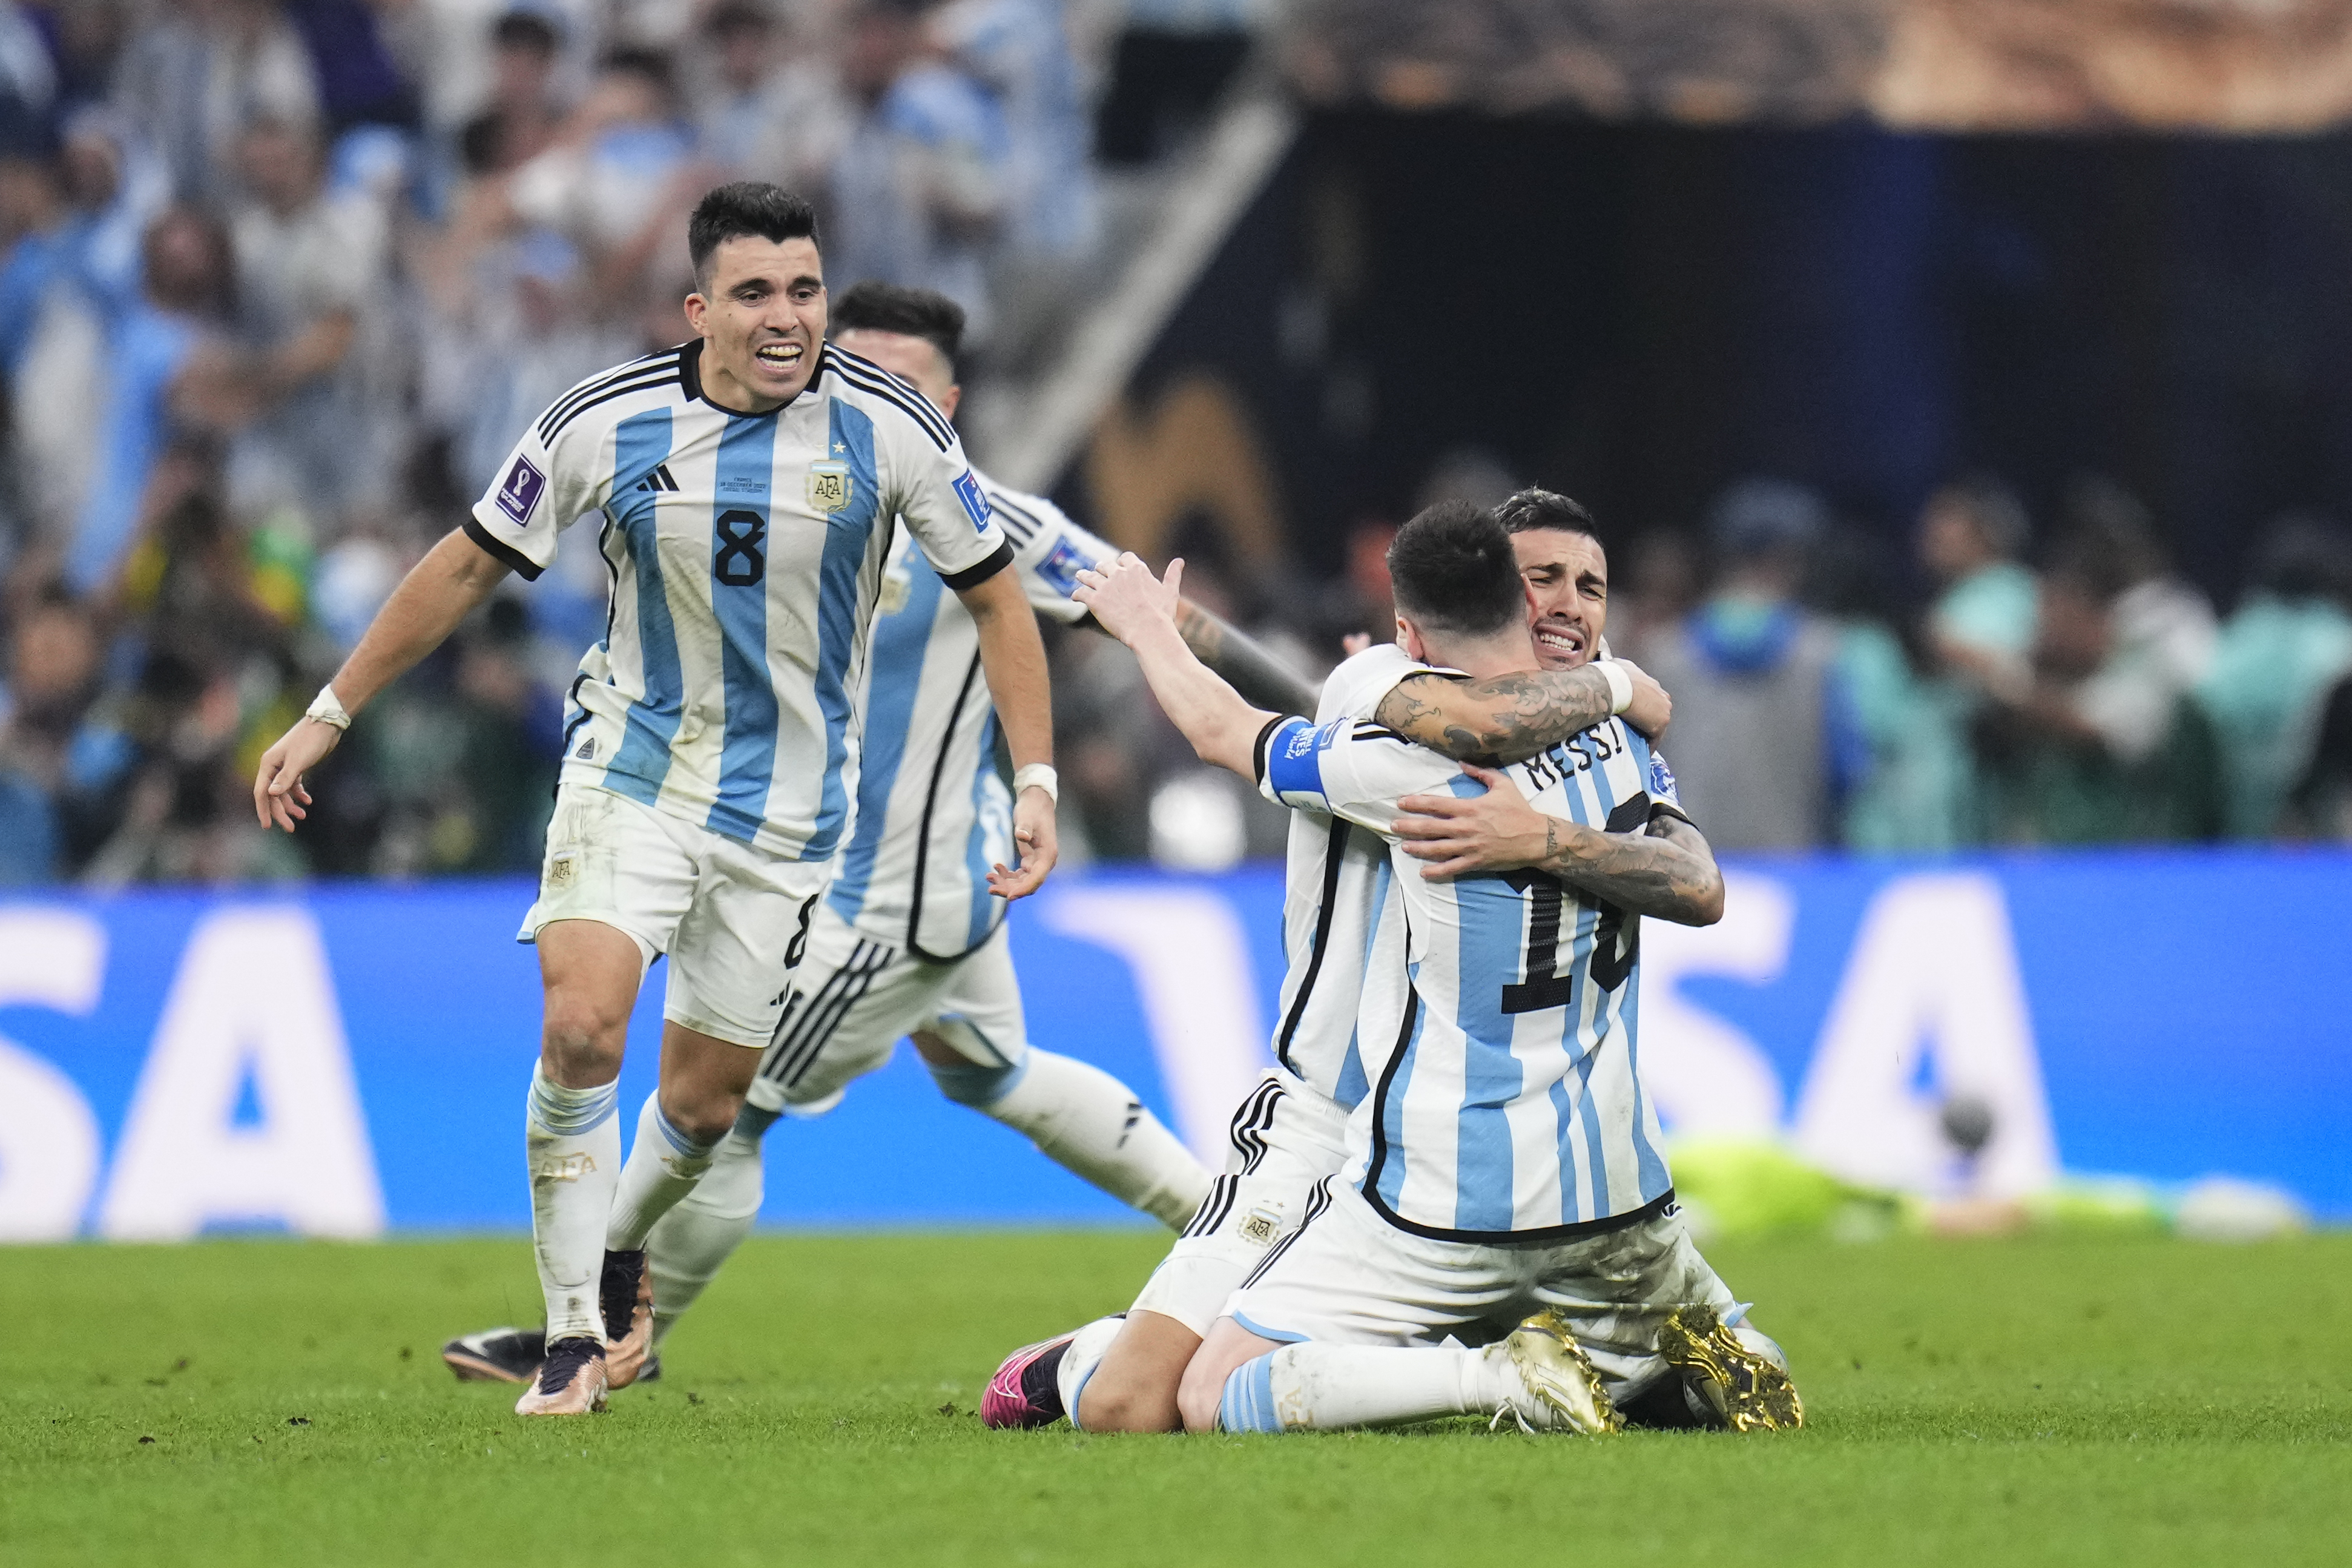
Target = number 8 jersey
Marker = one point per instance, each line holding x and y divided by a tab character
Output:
1507	1104
746	553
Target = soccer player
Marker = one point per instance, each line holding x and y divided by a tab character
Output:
1503	1166
1122	1374
908	941
748	485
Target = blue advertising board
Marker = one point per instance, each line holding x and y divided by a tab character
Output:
352	1059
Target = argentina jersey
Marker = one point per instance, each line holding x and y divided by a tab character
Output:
746	554
1509	1102
933	812
1341	918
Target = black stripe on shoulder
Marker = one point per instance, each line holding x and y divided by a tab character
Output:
625	389
498	549
666	360
1366	729
871	378
973	577
1022	524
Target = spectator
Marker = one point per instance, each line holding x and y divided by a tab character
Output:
775	111
193	79
918	189
617	183
2161	630
1020	52
1762	742
358	82
2287	645
308	266
172	368
2102	747
523	114
1981	621
52	673
1914	790
2321	805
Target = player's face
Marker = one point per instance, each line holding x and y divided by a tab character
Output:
910	358
761	319
1568	594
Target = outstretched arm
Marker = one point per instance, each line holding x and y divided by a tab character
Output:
1012	655
1668	869
1511	718
439	591
1247	665
1140	611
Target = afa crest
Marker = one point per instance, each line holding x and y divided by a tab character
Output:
829	485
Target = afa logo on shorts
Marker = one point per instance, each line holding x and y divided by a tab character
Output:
519	491
975	503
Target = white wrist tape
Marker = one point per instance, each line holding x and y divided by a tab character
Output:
1621	684
1038	775
328	709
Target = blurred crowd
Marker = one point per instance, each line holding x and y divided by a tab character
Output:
281	279
2004	679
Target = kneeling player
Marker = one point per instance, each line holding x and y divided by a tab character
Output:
1342	917
1503	1166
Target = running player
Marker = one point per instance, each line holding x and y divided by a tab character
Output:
908	941
1504	1164
748	483
1122	1374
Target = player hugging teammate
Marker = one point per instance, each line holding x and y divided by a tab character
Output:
1450	1197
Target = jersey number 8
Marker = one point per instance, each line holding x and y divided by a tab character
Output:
740	564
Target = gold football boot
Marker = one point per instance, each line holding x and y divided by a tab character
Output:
1747	1389
1562	1391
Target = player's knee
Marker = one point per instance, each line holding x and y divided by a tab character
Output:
968	1083
581	1042
1128	1405
704	1113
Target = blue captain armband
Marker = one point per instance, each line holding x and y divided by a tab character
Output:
1290	770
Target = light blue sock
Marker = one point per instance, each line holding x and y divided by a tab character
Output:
1248	1402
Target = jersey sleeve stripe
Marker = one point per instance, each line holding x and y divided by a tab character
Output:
560	409
874	380
973	577
865	372
549	431
1022	526
500	550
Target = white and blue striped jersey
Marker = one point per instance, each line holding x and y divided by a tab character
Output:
1340	910
1508	1103
933	812
724	692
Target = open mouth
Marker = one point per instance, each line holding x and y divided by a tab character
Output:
1561	641
781	358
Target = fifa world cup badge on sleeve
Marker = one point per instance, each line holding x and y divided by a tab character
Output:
828	486
519	492
975	502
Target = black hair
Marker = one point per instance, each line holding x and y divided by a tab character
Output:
748	209
526	30
1525	511
649	66
2000	517
1453	567
737	16
876	307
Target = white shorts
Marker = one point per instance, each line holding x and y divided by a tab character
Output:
853	999
1348	1276
725	912
1286	1139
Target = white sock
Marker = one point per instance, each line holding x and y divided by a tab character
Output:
1091	1125
1312	1387
572	1141
688	1244
664	1165
1088	1348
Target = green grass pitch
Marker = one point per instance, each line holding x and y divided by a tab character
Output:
2080	1401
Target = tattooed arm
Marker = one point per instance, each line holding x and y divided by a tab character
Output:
1510	718
1666	869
